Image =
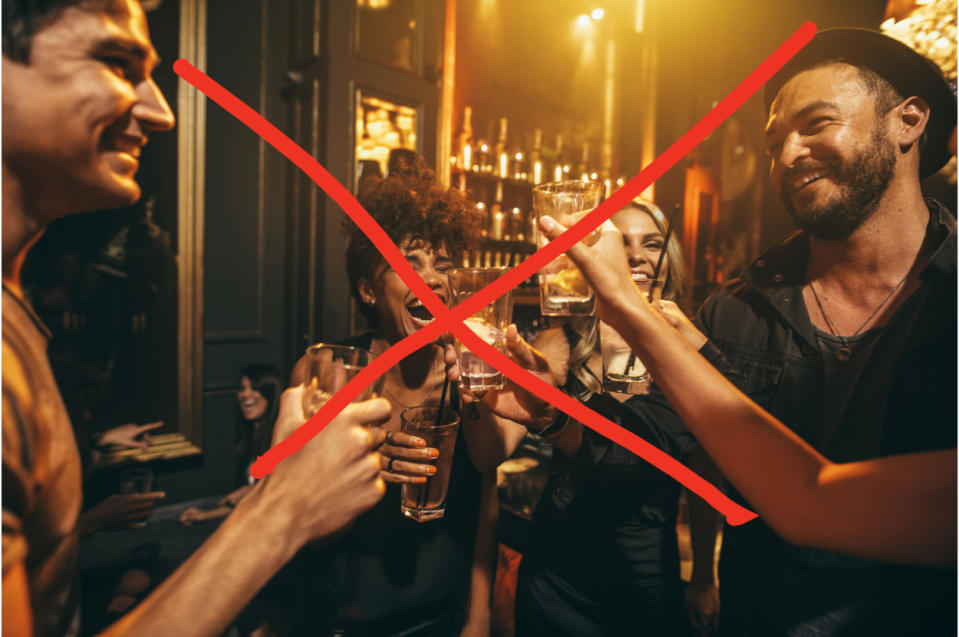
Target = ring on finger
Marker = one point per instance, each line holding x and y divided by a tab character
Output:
389	465
389	437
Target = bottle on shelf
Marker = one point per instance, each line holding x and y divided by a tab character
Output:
536	158
582	169
519	170
502	156
561	169
482	160
464	155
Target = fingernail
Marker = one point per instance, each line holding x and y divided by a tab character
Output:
547	223
420	442
431	470
434	453
420	480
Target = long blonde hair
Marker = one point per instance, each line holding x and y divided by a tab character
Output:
674	289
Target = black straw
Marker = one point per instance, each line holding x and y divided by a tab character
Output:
652	288
662	254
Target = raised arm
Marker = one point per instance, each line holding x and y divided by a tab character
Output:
311	495
898	508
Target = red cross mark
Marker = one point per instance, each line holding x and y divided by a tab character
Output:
451	320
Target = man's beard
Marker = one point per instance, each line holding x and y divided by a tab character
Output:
862	181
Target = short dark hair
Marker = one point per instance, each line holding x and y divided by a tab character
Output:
23	18
409	204
885	94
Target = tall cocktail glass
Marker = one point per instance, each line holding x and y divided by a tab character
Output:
562	289
422	502
489	323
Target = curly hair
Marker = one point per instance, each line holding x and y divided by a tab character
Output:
409	205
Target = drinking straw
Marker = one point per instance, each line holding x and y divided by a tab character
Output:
424	492
662	254
652	287
439	413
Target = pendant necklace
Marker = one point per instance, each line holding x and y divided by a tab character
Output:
843	353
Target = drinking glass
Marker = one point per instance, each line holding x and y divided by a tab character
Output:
489	323
423	502
562	289
329	369
138	480
623	372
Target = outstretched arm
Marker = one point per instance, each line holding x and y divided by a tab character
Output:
897	508
312	494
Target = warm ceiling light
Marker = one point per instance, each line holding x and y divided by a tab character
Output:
583	20
597	14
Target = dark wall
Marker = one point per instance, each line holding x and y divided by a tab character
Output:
246	314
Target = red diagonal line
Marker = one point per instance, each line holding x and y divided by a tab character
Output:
449	319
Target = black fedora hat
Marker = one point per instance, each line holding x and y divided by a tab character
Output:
909	72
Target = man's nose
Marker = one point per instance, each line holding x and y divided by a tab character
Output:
792	151
152	110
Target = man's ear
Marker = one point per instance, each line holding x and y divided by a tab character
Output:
365	289
913	116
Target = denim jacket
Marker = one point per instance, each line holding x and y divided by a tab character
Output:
904	401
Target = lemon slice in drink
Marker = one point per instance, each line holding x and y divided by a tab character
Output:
569	282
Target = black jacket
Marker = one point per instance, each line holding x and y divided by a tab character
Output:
904	400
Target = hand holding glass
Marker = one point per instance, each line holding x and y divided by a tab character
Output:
562	289
329	369
422	502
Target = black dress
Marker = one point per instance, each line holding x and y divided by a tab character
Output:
389	575
603	556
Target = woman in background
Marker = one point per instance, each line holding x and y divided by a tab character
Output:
257	407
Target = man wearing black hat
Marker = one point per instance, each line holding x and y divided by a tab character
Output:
846	330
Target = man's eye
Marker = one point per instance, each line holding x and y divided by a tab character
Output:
119	65
816	125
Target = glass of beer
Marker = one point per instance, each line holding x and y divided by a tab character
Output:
562	289
422	502
623	372
489	323
329	369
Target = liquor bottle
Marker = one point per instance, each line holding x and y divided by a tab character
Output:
536	159
482	159
561	168
520	170
465	141
582	170
502	157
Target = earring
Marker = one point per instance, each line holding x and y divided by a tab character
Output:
371	302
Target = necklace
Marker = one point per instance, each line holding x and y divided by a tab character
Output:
843	354
422	402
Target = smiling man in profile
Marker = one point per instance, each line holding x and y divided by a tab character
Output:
78	105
